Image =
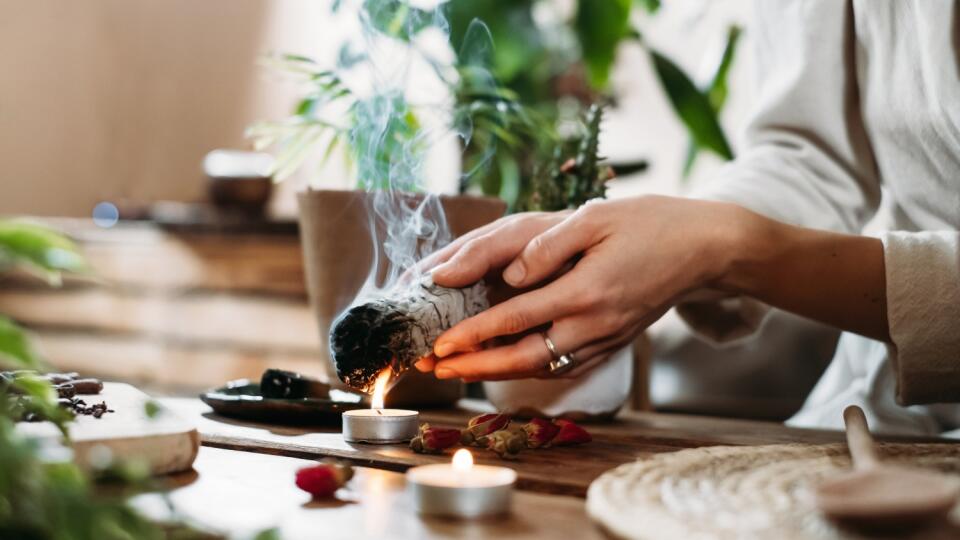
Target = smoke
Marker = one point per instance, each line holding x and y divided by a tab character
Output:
403	70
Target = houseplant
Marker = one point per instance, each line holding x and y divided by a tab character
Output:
384	133
39	498
518	124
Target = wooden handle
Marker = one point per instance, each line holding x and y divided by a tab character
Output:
858	438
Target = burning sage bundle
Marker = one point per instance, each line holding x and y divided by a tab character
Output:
396	330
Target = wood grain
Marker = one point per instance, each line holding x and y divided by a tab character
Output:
237	494
177	365
239	320
567	471
143	256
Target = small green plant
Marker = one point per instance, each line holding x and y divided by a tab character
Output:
574	176
42	499
517	87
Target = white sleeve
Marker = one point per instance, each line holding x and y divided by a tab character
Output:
923	311
807	160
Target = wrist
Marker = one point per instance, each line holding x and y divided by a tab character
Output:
750	245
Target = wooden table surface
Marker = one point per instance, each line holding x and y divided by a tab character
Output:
566	471
243	479
237	494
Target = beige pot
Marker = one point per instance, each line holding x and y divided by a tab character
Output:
338	254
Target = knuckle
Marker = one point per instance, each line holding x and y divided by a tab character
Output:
514	322
590	298
474	249
541	249
612	323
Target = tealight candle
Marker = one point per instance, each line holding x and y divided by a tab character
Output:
461	489
378	425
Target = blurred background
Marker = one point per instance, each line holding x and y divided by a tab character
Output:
109	109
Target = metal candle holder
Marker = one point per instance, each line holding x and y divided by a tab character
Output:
380	426
440	490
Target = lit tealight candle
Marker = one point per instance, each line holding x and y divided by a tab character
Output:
378	425
461	489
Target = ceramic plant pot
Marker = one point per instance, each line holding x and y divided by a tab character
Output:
338	255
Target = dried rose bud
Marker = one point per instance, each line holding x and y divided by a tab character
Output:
506	443
324	479
569	434
540	432
433	440
482	425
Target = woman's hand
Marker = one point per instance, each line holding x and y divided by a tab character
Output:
633	259
483	252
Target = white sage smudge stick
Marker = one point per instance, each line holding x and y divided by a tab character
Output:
398	329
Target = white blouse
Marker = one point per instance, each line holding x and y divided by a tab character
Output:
855	95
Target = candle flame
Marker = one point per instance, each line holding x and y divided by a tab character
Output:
462	460
380	389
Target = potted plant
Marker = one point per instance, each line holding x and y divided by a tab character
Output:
345	238
530	141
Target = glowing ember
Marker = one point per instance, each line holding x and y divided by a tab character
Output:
380	389
462	460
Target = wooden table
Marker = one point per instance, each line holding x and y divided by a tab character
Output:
238	494
243	479
566	471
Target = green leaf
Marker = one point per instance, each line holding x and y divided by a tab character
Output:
268	534
395	18
601	25
509	179
651	6
15	347
718	90
689	159
151	408
692	106
40	249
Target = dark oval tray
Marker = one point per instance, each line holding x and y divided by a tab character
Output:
241	399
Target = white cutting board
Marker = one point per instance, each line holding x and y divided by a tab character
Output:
166	442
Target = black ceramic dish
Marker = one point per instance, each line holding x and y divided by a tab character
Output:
241	399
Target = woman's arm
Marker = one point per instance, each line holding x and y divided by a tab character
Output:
636	258
837	279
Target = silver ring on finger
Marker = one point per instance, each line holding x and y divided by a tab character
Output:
550	346
563	364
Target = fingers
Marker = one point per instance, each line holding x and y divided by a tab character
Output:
528	357
549	251
426	364
491	249
445	253
518	314
522	359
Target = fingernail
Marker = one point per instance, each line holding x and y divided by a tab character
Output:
423	365
445	373
514	273
443	349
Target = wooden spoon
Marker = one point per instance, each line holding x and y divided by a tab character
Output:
874	493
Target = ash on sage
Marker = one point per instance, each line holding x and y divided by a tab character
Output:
397	330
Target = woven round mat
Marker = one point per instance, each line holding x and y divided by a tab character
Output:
739	491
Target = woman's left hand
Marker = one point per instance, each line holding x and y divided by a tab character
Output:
637	257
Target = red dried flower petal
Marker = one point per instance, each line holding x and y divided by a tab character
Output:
489	422
321	480
437	438
570	434
483	425
540	432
